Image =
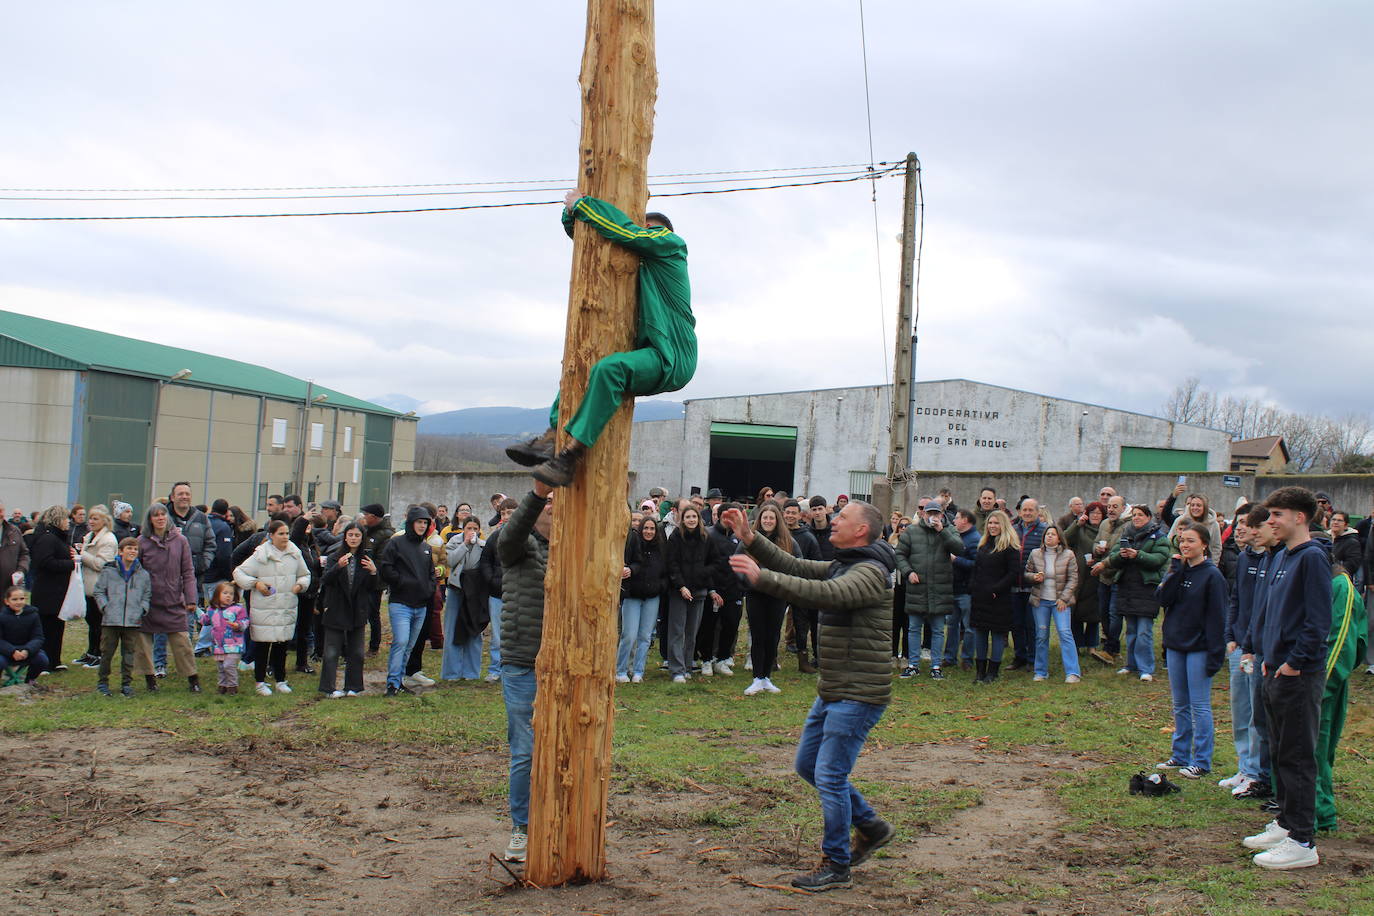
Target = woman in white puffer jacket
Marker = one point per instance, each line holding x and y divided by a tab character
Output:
276	573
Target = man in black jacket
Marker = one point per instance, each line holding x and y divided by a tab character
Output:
377	531
523	549
803	619
407	568
720	624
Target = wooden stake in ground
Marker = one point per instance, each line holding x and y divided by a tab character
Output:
571	769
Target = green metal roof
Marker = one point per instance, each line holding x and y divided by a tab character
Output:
38	342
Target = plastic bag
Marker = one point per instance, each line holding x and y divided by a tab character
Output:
74	605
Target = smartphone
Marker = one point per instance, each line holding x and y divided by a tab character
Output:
1182	479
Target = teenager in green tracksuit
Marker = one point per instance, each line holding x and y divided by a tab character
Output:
665	353
1346	646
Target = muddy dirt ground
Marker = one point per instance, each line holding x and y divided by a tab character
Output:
134	821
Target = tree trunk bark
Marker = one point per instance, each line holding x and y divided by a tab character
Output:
573	710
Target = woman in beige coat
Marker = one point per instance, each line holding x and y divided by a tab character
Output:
274	575
1052	570
98	547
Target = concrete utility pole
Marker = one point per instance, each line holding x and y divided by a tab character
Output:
888	494
573	709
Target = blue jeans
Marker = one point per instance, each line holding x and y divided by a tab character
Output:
1192	691
831	739
405	630
464	660
494	651
959	635
1243	717
1140	645
1045	611
989	645
637	619
518	687
1022	627
915	625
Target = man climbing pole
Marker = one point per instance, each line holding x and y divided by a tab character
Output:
665	354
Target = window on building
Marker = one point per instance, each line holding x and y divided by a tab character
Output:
348	439
278	432
310	490
357	467
317	437
262	496
340	497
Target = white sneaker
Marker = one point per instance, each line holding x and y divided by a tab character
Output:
637	679
756	687
337	695
770	686
515	849
351	693
493	677
1072	679
263	690
1147	677
421	679
1289	853
1369	670
283	687
1123	671
707	669
679	678
1271	836
1040	677
1230	782
244	666
622	679
723	668
1243	786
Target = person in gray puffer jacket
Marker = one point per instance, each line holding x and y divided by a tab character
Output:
523	549
123	592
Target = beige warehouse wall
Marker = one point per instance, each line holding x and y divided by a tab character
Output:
36	423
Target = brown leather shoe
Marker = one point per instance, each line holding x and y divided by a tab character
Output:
536	451
804	665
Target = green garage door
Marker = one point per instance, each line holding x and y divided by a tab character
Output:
116	431
1165	460
377	460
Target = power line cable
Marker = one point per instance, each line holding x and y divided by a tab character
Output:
483	191
884	173
877	238
442	184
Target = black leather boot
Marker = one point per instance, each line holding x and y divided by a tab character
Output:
993	668
980	671
535	451
151	681
194	682
558	471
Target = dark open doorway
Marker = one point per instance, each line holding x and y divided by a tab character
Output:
745	457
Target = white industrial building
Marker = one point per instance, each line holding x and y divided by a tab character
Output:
836	440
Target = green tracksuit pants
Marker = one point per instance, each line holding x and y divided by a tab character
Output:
633	372
1328	736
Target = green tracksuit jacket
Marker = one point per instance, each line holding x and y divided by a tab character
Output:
1345	648
665	354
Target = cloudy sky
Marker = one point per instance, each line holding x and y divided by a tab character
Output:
1119	194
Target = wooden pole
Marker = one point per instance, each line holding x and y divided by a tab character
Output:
573	710
892	493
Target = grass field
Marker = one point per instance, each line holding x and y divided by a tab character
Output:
720	763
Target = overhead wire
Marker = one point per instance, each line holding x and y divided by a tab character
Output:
552	186
877	236
439	184
868	175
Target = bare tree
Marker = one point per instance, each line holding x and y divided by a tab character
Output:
1315	442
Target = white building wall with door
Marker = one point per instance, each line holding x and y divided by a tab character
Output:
842	438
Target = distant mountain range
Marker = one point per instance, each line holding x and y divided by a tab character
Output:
522	421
